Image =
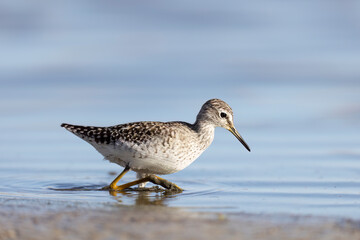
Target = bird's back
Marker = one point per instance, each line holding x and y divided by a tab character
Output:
150	147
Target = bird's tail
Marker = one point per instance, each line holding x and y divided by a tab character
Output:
80	131
89	133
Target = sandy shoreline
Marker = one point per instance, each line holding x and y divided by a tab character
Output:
23	221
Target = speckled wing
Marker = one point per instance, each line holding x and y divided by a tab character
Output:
150	147
132	133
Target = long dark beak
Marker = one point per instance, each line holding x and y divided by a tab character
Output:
238	136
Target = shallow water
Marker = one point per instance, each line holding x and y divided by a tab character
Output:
290	74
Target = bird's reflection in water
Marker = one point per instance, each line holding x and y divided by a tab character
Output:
145	197
154	196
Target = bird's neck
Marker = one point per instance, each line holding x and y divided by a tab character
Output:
205	131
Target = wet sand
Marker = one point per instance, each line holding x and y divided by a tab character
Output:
46	221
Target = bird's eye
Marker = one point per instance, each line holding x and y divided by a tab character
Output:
223	115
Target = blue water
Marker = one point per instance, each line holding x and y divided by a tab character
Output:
289	70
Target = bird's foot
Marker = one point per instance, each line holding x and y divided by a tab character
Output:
172	187
169	186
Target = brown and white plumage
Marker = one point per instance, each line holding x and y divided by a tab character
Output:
159	147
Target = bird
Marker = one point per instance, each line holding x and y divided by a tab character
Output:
152	148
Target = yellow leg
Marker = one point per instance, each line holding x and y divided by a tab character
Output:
164	183
151	178
116	180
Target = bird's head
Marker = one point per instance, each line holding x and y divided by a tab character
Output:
219	114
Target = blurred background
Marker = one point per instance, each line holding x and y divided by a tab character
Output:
289	69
